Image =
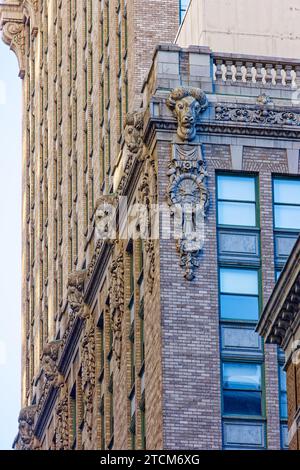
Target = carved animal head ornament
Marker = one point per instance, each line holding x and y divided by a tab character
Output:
50	356
76	290
26	424
187	104
105	218
133	131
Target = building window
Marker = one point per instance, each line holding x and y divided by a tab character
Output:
283	394
237	200
286	203
239	299
183	4
242	390
239	303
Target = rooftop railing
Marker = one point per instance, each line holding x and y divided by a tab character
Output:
244	69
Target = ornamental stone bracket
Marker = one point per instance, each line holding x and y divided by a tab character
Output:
132	152
14	15
188	195
105	218
25	439
76	281
76	305
283	326
13	31
49	363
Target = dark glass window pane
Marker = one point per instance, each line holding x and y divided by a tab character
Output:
242	403
239	307
283	406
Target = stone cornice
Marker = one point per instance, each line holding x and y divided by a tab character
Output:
70	345
45	412
233	128
280	318
100	260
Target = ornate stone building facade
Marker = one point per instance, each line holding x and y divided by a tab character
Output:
280	324
148	237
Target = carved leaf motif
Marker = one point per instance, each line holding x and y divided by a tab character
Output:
260	115
88	372
116	292
62	421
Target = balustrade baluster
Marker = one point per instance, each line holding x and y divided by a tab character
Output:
249	73
278	76
239	74
269	76
259	75
288	75
297	79
228	65
219	71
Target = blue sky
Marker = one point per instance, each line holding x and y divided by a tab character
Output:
10	244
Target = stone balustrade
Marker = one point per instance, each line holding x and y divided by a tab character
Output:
246	69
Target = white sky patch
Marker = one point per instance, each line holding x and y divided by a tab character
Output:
2	92
3	354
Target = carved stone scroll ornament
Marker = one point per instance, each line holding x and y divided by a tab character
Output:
62	420
187	192
26	439
261	115
187	104
188	198
116	292
88	372
148	198
14	36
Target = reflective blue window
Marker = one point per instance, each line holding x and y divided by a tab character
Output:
286	203
242	389
283	394
239	298
183	4
236	200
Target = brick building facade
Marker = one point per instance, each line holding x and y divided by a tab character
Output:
135	341
279	324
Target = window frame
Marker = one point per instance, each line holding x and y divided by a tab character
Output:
283	178
182	10
242	362
256	202
259	293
